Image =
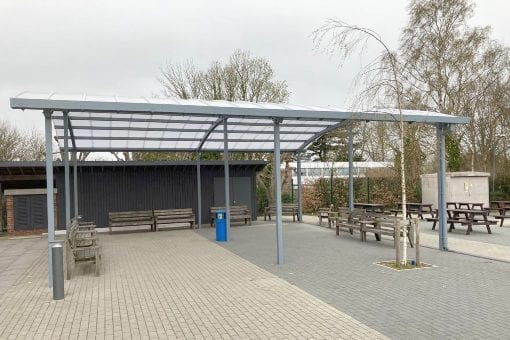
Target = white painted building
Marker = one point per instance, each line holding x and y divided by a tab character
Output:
311	171
464	186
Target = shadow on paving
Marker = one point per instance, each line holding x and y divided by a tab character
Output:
464	297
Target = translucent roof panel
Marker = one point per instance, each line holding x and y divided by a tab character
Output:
112	123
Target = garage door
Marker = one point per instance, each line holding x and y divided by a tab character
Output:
30	212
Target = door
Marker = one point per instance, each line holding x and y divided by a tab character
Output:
240	191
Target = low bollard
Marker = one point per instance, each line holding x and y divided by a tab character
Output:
57	261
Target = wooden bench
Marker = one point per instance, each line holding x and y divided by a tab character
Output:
238	213
81	245
173	216
325	213
131	218
288	209
377	223
350	221
390	226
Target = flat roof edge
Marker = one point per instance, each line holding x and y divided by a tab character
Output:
9	164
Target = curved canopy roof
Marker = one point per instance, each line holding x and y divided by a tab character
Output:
99	123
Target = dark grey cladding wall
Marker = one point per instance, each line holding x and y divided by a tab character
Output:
105	189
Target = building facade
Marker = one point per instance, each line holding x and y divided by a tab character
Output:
105	187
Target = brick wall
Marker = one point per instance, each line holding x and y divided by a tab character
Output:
9	211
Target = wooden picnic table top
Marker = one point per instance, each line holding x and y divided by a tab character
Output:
470	211
417	204
371	206
376	205
468	205
502	205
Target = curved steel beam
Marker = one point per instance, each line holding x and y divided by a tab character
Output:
71	132
320	134
208	133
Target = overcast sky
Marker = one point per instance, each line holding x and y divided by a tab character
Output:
117	47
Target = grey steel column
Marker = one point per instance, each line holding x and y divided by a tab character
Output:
351	168
227	177
199	192
278	193
441	188
300	201
75	183
49	191
67	186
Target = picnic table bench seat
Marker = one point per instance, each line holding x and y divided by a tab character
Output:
288	209
173	216
501	218
131	218
238	213
81	245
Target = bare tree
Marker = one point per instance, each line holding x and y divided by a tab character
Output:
450	67
243	78
343	39
19	145
122	156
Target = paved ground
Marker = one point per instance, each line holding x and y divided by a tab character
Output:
478	243
173	284
463	297
16	258
500	235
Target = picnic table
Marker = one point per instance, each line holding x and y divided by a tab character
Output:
502	207
370	207
469	217
464	205
415	208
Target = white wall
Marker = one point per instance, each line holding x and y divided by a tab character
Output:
472	187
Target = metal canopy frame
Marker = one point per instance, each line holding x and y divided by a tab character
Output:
97	124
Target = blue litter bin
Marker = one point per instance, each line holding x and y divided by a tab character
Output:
220	220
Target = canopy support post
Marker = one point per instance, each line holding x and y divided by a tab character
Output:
278	192
199	193
75	183
49	191
351	170
227	177
441	187
67	186
299	193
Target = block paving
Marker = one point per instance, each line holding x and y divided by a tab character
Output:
464	297
172	284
